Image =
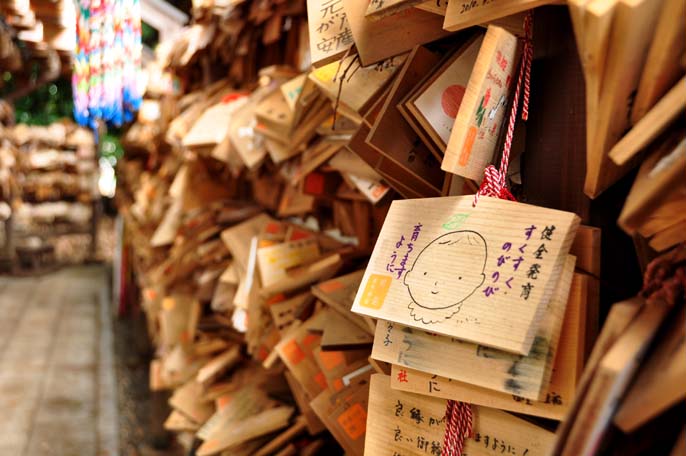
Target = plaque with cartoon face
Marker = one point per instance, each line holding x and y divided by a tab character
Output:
483	273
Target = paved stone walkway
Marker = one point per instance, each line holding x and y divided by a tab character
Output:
57	390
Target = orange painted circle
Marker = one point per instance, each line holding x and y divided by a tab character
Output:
451	100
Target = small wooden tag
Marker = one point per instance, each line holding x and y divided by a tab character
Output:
355	85
432	106
377	40
412	424
392	136
481	115
460	15
330	35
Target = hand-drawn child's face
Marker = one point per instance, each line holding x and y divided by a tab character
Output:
448	270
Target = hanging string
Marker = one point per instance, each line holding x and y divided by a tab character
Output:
458	427
459	420
495	180
341	81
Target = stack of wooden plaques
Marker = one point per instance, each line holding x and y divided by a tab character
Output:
298	197
632	57
57	175
10	57
47	30
58	19
441	337
632	383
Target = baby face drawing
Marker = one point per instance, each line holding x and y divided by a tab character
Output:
437	291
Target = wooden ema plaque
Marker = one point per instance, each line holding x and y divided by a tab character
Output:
393	137
354	85
297	352
250	428
474	135
620	316
379	39
339	294
232	408
483	274
660	382
432	107
611	379
274	260
345	414
407	424
496	370
555	398
633	24
330	35
467	13
381	8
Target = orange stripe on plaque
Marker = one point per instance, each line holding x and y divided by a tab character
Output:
353	421
311	339
330	285
467	147
150	294
223	401
300	234
293	353
378	190
276	298
210	444
331	359
321	380
262	353
272	228
267	243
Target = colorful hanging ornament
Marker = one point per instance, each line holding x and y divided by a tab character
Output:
107	62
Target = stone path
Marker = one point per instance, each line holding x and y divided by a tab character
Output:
57	390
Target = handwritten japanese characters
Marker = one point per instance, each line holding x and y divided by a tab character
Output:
515	257
330	35
556	396
479	274
400	423
474	364
552	405
461	14
474	135
354	85
407	246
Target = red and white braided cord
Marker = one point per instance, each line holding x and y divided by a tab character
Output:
458	427
459	420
